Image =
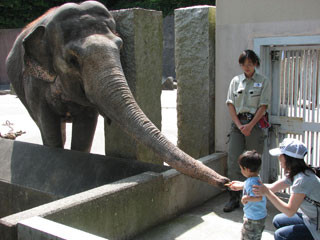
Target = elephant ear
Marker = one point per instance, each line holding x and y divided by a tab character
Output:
37	59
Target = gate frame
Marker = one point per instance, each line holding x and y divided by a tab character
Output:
261	46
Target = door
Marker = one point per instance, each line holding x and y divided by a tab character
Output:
295	100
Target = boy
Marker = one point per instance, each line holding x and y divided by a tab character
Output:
255	211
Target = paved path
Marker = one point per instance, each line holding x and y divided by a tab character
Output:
205	222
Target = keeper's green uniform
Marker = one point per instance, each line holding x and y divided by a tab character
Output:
246	95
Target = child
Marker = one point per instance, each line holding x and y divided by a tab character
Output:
255	211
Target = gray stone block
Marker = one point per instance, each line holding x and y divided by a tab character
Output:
31	175
141	32
195	71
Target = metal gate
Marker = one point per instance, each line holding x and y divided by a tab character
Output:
295	98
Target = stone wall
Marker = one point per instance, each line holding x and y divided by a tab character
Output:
32	175
7	38
141	32
195	72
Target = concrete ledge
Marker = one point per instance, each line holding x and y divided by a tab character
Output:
5	90
125	208
62	172
38	228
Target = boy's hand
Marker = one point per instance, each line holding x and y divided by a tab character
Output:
235	185
244	199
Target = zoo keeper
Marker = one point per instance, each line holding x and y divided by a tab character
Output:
248	99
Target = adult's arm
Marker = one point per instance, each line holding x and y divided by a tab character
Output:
234	116
264	102
277	186
246	129
289	208
274	187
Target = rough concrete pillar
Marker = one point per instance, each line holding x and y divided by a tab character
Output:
195	70
141	58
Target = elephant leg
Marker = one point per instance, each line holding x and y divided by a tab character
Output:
83	129
50	127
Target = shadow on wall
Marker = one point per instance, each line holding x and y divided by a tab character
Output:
168	48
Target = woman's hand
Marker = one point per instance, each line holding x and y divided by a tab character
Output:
260	190
246	129
236	186
289	208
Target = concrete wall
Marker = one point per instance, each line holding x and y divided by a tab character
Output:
237	24
7	37
127	207
141	32
16	198
194	57
32	175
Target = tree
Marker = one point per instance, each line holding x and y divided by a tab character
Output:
18	13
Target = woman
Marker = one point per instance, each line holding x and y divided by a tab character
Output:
300	217
247	100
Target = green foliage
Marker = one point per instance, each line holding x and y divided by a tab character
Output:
18	13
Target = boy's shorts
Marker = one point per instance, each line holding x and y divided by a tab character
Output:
252	229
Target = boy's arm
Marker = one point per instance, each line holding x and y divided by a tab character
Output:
246	198
235	185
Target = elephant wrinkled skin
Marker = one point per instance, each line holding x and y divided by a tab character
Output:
65	66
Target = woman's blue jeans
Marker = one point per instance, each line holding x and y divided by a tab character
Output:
290	228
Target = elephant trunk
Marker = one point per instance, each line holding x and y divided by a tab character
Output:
111	94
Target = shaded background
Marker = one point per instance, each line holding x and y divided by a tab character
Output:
17	13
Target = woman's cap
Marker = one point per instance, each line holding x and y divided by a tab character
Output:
291	147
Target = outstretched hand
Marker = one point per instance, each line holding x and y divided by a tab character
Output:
260	190
235	185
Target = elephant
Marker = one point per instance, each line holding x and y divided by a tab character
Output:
65	66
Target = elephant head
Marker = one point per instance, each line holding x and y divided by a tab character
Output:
76	47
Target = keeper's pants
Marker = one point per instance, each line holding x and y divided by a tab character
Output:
238	143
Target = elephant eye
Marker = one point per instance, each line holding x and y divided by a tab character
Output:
74	61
